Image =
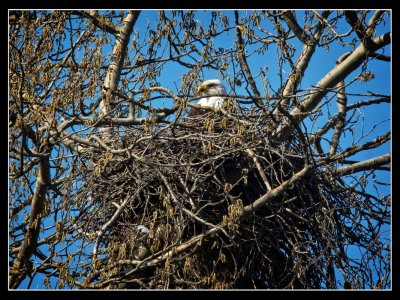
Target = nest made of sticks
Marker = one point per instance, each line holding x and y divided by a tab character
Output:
178	182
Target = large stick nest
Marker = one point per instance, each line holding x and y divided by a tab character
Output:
178	182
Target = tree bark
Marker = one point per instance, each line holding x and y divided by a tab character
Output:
114	70
368	164
339	73
21	265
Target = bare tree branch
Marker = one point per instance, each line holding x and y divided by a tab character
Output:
340	72
118	57
298	70
98	21
341	103
114	184
29	245
369	164
243	59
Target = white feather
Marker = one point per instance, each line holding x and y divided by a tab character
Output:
142	229
213	102
212	88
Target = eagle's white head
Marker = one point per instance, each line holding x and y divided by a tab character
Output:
211	91
212	87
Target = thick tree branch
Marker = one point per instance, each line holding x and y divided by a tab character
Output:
342	109
291	21
195	192
114	70
30	241
260	202
297	73
341	71
380	57
355	149
355	22
365	165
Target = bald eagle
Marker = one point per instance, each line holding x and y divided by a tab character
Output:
211	91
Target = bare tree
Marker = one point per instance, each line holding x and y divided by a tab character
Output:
113	185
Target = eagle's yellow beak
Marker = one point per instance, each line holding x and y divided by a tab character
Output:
201	88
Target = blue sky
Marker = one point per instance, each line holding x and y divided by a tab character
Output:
323	61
